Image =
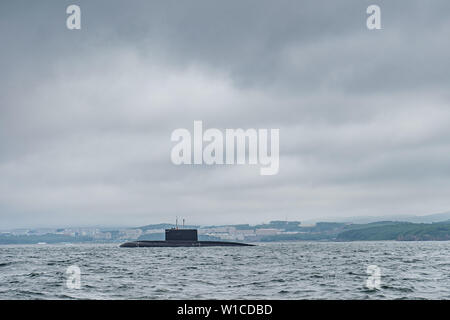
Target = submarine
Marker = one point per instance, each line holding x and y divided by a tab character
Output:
181	238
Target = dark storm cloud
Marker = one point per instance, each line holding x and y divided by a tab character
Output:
86	115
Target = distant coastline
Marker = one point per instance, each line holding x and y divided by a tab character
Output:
274	231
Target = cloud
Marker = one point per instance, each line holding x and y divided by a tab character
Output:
86	116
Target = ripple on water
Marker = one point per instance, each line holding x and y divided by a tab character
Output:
302	270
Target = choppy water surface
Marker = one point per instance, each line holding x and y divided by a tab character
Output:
301	270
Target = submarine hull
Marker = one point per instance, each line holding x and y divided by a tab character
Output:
135	244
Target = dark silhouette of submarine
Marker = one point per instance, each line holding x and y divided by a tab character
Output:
181	238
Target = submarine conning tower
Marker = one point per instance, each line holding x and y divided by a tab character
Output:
176	234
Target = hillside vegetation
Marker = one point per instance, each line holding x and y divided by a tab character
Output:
397	231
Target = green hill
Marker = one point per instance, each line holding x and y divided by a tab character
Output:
396	231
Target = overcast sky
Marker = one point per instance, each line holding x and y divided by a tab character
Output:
86	115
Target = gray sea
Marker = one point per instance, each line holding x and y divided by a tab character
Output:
295	270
